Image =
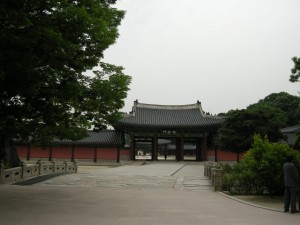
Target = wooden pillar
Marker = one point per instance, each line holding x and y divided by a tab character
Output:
28	152
177	148
154	148
95	154
198	149
50	153
204	148
181	156
180	148
216	155
132	147
118	154
73	153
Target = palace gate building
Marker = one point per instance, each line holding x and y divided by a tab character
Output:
148	123
179	132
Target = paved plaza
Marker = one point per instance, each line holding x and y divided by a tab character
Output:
153	193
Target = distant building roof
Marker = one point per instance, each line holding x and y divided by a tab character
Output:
103	138
290	134
291	129
168	117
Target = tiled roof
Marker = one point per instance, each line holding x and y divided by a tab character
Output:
101	138
290	134
291	129
168	116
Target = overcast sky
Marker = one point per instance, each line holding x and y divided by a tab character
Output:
227	54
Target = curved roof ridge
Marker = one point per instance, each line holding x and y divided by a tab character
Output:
154	116
171	107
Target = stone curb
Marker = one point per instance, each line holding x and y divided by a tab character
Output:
251	204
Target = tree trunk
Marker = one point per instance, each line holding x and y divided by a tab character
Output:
8	152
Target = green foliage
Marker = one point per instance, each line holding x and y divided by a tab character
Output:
239	126
240	179
266	117
261	168
288	104
294	77
46	48
266	159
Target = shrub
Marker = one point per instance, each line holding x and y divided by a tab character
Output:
266	160
261	168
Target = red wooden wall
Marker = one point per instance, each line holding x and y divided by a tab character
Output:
98	153
65	152
224	156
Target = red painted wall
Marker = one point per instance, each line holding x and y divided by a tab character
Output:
39	152
124	152
102	153
224	156
84	153
107	153
62	152
65	152
22	151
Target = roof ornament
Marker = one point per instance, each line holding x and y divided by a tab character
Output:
134	107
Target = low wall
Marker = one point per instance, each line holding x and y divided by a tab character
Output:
40	168
81	153
223	156
215	173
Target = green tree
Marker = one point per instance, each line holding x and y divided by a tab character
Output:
294	77
265	160
239	126
289	104
46	48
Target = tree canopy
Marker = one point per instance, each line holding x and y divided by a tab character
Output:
288	104
239	126
294	77
260	168
46	48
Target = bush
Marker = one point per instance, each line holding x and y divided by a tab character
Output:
240	180
260	169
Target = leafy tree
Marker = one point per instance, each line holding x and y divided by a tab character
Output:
294	77
265	160
46	47
238	178
260	168
289	104
239	126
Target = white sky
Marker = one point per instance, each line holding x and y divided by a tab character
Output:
227	54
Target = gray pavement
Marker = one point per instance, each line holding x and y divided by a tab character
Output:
153	193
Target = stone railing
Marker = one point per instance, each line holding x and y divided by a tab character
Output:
215	173
40	168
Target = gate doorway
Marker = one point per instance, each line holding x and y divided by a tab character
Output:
166	149
145	150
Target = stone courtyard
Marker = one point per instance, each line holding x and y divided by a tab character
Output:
141	193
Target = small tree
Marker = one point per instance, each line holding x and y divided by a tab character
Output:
239	179
266	160
294	77
239	126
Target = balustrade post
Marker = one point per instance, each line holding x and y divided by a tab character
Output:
53	165
24	170
40	167
218	179
75	163
66	166
212	175
205	169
